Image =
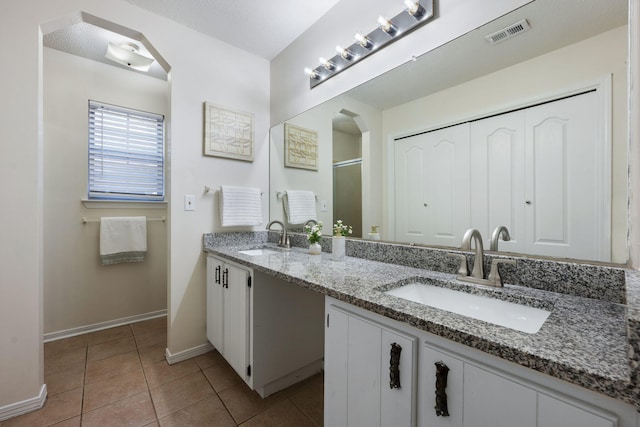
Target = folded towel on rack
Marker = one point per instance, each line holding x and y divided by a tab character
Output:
240	206
300	206
123	239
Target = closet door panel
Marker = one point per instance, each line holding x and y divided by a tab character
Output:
550	167
409	178
564	142
447	213
497	177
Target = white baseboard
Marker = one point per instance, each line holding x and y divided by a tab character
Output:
187	354
291	379
53	336
19	408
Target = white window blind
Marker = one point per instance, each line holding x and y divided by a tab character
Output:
126	153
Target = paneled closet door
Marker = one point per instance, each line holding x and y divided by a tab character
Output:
564	163
498	178
432	187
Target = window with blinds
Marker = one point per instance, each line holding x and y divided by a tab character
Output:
126	154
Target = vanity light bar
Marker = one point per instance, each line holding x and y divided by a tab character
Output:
389	30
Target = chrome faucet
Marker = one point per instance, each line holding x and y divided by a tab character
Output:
477	275
478	263
284	239
500	231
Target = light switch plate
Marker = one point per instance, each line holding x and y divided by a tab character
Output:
189	202
323	205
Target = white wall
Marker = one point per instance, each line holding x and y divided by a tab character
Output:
78	291
290	93
206	70
571	66
321	181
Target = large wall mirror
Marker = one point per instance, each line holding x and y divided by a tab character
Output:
529	132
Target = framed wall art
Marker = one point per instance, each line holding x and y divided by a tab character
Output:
300	147
228	133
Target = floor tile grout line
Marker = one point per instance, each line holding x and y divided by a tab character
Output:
84	379
146	380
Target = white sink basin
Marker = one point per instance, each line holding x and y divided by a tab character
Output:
258	252
515	316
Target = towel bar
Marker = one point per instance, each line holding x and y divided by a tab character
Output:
280	194
86	220
208	189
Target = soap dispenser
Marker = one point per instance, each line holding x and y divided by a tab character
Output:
373	234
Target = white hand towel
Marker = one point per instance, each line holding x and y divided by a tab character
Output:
123	239
240	206
300	206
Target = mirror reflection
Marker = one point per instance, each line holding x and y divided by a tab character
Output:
529	133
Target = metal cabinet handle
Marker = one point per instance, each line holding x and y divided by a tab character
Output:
442	372
225	278
218	268
394	366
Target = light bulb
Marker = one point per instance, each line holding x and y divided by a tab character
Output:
414	8
326	64
311	73
386	26
344	53
363	41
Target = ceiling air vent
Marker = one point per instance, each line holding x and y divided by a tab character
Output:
507	33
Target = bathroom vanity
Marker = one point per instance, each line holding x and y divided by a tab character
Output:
382	352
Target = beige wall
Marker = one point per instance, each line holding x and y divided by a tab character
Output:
78	291
208	70
346	146
582	63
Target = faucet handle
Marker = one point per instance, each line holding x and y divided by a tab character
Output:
494	274
463	270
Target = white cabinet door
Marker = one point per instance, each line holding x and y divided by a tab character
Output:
556	413
453	390
363	373
336	338
236	318
397	397
491	400
363	384
215	303
432	187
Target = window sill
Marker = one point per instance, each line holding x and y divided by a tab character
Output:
122	204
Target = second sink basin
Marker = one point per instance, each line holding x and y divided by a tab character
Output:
508	314
258	252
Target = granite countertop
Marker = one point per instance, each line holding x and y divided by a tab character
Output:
585	341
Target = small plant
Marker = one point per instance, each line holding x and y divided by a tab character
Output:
314	232
339	229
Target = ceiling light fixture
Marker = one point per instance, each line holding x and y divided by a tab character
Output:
417	12
127	54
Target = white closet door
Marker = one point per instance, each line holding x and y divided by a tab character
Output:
409	178
432	187
562	201
498	178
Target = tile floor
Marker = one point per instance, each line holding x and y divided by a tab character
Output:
118	377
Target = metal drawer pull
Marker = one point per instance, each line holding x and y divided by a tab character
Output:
442	372
225	278
218	268
394	366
